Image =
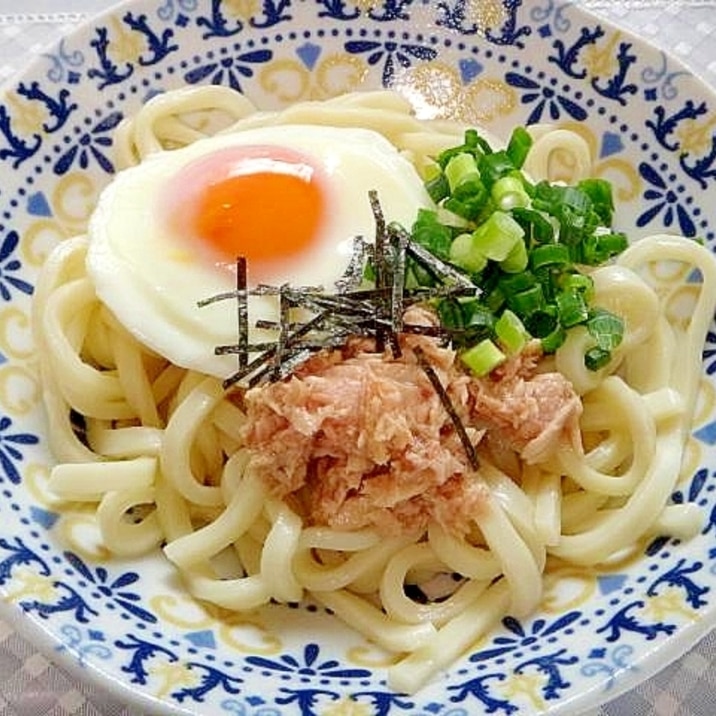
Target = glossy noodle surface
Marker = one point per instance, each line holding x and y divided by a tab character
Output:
166	457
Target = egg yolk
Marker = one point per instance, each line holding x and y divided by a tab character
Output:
263	208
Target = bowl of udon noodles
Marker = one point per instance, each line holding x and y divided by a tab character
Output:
357	356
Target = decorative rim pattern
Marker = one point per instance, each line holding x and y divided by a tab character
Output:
650	125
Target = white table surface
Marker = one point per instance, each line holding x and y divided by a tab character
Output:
31	685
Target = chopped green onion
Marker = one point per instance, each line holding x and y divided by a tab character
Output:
473	144
460	169
552	341
599	248
511	332
523	244
599	192
437	187
519	146
470	146
465	254
537	227
542	322
474	311
509	192
450	313
416	275
517	260
483	358
430	233
577	282
476	142
549	255
468	208
498	236
572	208
514	283
526	302
596	358
471	190
451	220
606	329
479	323
574	216
497	239
494	166
572	308
472	137
494	299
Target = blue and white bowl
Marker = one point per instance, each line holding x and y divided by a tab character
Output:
129	624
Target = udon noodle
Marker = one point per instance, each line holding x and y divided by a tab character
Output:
160	460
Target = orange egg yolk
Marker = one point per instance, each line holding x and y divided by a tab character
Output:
266	209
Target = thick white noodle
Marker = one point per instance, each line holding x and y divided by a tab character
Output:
130	537
160	449
90	481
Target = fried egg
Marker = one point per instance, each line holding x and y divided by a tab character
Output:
166	234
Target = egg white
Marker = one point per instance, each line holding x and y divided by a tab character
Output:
153	284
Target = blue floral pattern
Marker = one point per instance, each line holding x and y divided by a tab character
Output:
93	145
662	200
229	70
391	55
550	62
309	664
548	104
115	591
12	443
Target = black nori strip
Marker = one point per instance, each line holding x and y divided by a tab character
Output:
334	328
449	407
383	269
399	241
441	269
421	330
216	298
377	313
394	344
242	310
288	365
342	303
353	275
267	289
268	355
284	331
443	291
233	349
261	360
269	325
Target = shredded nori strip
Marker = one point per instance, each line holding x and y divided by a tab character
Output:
216	298
242	311
399	241
268	355
353	275
268	325
439	268
266	289
352	311
284	332
257	363
449	407
383	270
382	267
